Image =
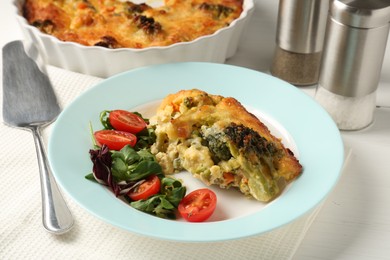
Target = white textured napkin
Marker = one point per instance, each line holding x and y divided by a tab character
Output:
22	235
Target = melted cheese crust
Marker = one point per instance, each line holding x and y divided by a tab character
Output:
185	120
117	24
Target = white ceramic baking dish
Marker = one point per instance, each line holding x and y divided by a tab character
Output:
104	62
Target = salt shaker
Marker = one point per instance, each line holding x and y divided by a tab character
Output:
300	34
354	47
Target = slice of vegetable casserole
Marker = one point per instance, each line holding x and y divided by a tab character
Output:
220	142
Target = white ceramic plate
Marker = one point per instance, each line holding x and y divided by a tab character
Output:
289	113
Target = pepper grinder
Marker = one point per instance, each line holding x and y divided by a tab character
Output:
299	39
355	43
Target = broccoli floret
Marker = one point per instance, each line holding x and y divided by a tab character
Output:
218	147
46	26
147	24
247	140
255	154
108	42
216	141
259	155
136	8
218	11
241	139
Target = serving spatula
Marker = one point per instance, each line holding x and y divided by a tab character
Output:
29	103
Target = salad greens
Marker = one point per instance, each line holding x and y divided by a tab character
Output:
164	204
129	165
124	170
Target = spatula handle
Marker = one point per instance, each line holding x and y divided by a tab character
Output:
56	215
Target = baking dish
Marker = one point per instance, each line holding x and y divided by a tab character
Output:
104	62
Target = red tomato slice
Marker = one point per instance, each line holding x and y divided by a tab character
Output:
123	120
115	140
198	206
146	189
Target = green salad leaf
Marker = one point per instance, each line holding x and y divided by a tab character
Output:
130	165
104	119
163	205
145	138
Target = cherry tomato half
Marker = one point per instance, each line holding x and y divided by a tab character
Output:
123	120
146	189
115	140
198	205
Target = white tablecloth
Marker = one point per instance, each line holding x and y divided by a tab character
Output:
23	237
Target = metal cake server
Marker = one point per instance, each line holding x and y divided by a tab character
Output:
29	102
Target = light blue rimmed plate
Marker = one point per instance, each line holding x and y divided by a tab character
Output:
289	113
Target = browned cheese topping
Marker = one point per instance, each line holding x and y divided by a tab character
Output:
123	24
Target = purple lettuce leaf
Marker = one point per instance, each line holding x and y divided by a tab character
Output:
102	162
